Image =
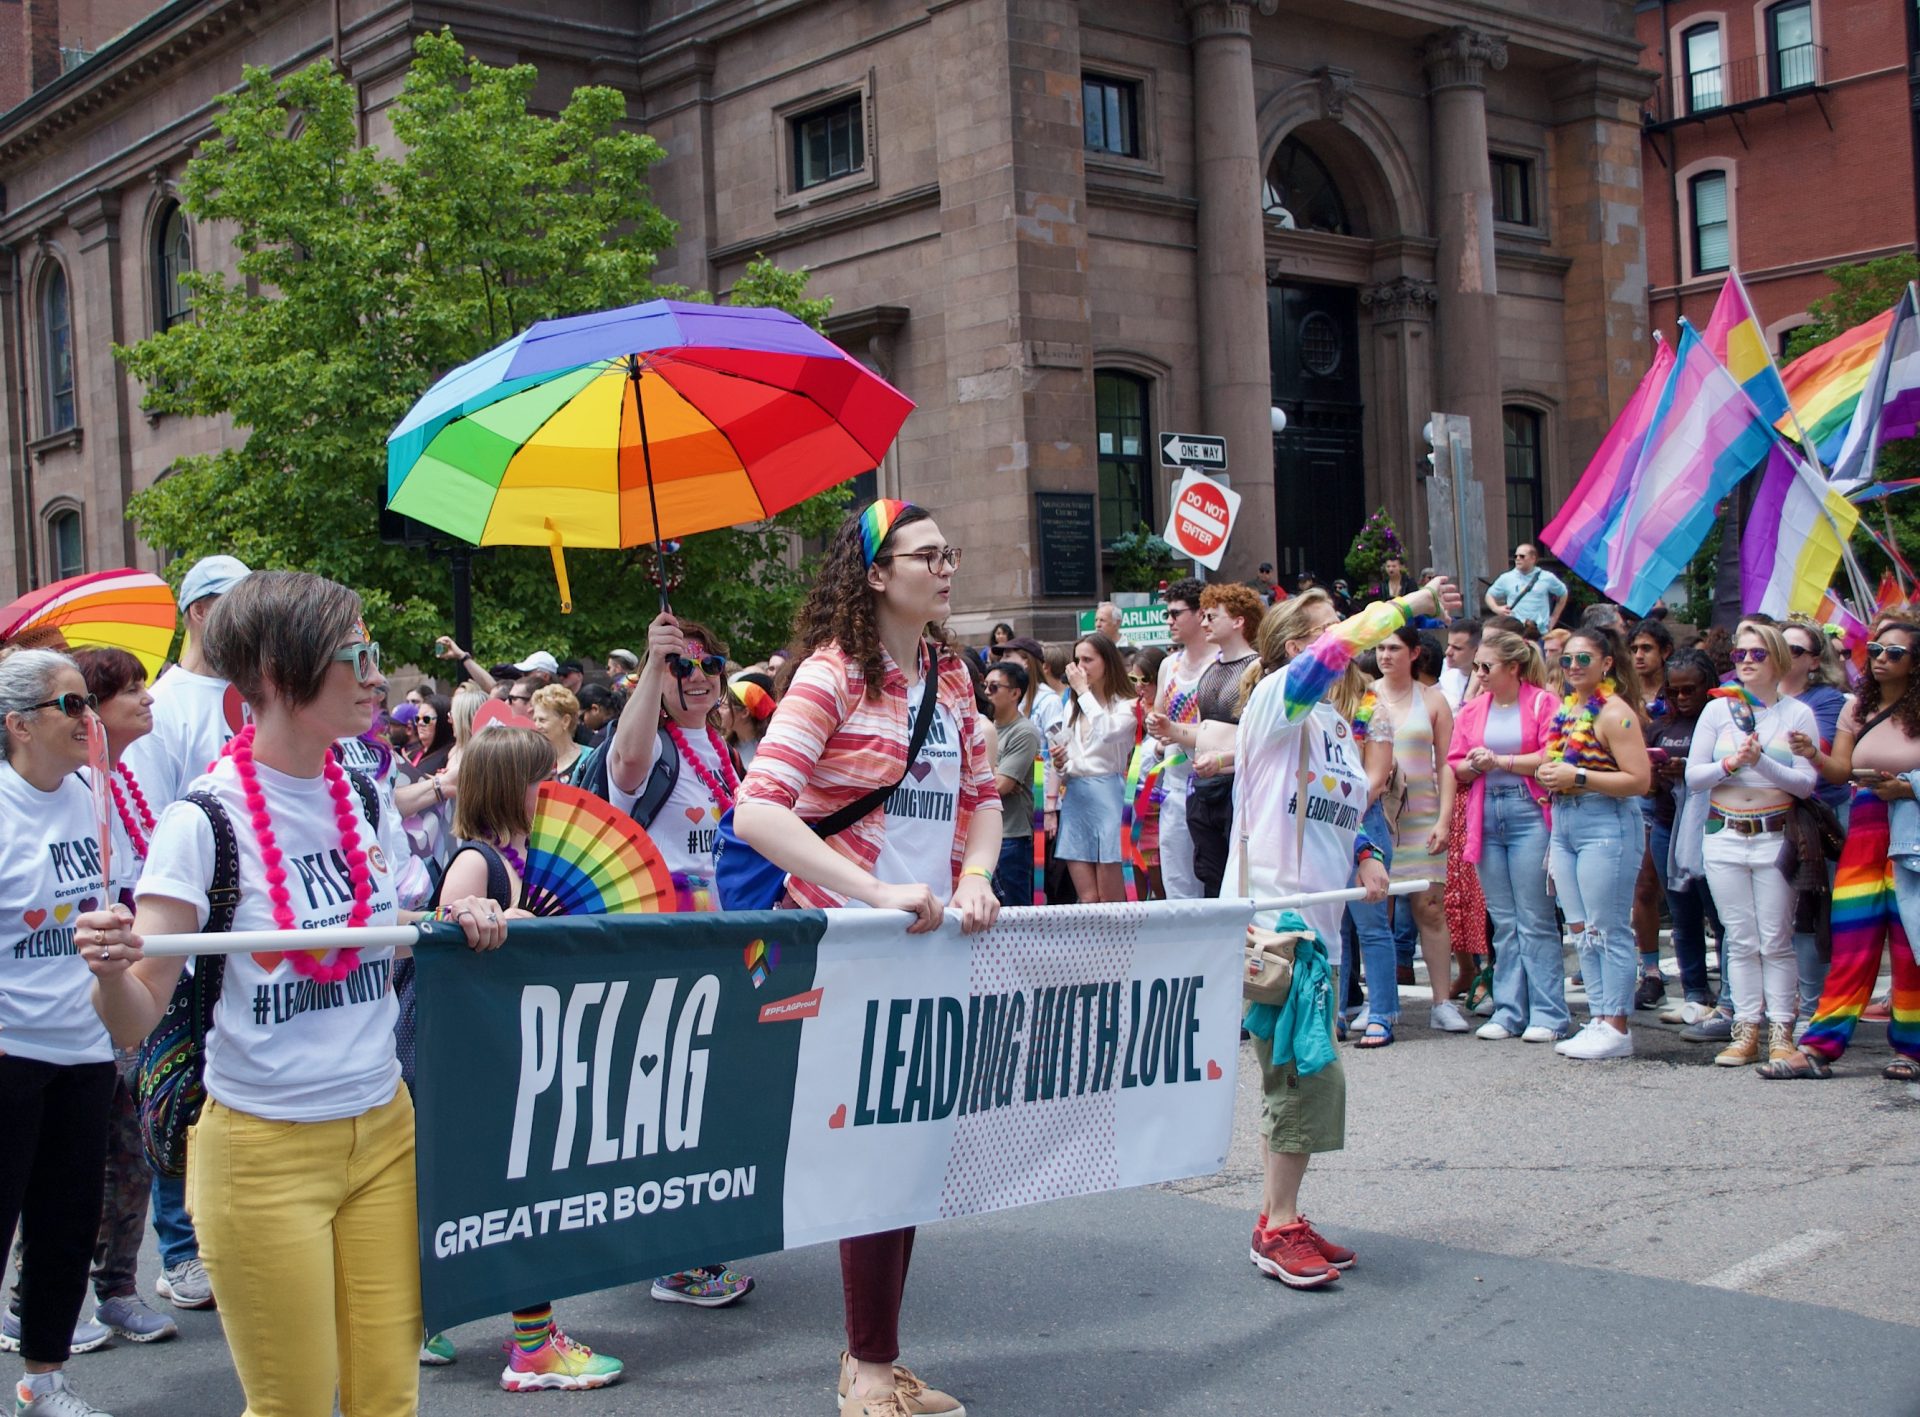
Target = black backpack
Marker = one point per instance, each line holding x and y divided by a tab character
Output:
592	777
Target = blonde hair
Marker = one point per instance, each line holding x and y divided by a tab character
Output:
1513	649
466	703
1775	642
495	773
1290	620
557	699
1827	668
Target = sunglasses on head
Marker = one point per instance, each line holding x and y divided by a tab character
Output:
72	705
1894	653
1747	656
363	655
682	667
1581	657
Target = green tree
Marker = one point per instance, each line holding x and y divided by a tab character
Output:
363	276
1367	556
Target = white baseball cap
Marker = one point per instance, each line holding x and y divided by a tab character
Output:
539	659
212	575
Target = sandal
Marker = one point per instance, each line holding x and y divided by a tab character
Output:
1378	1034
1481	988
1800	1065
1900	1070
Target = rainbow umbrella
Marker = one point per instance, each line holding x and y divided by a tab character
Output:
642	424
125	609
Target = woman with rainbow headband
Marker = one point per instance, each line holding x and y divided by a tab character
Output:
870	634
300	1174
1595	764
1301	794
750	708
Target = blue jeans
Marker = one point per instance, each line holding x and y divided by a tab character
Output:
1013	872
1378	951
1406	935
1689	911
1529	989
1597	844
171	1225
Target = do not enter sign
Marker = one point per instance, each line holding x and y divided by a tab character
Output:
1202	518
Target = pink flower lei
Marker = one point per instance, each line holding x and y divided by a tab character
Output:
722	795
140	832
309	963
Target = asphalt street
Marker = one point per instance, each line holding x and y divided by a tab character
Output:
1651	1235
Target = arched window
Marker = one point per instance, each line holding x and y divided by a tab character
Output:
66	554
56	351
1790	45
1126	468
172	259
1300	193
1526	473
1706	72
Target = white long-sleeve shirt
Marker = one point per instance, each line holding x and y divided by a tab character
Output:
1101	742
1716	737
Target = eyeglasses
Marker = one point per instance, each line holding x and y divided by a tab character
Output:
1481	667
930	557
76	705
682	667
521	699
1580	657
999	686
1894	654
363	655
1747	656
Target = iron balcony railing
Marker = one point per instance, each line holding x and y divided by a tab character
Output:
1737	84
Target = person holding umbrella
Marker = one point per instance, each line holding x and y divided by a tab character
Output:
871	635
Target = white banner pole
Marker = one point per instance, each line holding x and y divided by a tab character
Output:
239	942
1295	902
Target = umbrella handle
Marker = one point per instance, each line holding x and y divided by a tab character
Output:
559	567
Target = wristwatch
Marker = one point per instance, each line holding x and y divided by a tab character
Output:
1580	777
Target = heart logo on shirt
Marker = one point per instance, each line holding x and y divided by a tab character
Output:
89	904
1213	1071
839	1117
920	771
696	815
1346	788
1328	782
61	912
271	961
35	919
648	1062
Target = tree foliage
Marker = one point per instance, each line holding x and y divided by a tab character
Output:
361	277
1367	556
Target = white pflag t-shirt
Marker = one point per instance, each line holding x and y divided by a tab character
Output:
49	875
284	1046
918	847
194	716
689	819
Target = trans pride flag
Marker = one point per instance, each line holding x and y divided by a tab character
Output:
1701	437
1576	534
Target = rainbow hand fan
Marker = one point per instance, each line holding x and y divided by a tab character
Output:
1742	702
586	858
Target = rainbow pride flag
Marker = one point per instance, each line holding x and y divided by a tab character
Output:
1888	408
1825	383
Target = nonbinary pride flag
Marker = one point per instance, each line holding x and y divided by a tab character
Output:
1793	538
1889	404
1705	437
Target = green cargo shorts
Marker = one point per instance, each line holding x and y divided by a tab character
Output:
1301	1114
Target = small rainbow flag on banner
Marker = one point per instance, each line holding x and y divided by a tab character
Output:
1825	383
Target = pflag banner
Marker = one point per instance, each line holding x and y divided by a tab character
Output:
611	1098
1793	538
1577	533
1733	336
1889	404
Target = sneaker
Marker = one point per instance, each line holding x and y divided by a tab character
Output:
1743	1049
1580	1032
910	1397
55	1400
1539	1033
1689	1011
135	1320
1651	992
186	1285
1339	1256
709	1288
558	1365
1716	1027
1446	1017
87	1335
1285	1253
1780	1042
1493	1032
1597	1040
437	1351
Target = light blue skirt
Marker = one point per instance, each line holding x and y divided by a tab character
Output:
1090	819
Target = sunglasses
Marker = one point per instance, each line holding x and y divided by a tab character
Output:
72	705
1894	654
999	686
522	699
1136	678
1174	612
1747	656
930	557
1580	657
683	667
1481	667
1801	651
426	718
363	655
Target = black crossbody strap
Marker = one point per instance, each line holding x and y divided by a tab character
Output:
223	899
839	821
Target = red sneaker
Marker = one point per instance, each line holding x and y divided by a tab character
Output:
1339	1256
1287	1254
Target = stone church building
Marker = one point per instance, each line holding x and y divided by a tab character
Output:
1061	228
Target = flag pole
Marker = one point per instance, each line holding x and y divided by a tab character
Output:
1800	433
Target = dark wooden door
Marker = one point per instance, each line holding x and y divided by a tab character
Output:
1318	476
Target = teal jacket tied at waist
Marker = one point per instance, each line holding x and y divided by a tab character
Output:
1301	1029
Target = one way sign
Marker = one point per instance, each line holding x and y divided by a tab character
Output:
1193	450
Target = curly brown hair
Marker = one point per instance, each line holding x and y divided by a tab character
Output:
839	609
1906	713
1237	602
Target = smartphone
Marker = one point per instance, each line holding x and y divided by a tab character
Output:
1659	757
1871	775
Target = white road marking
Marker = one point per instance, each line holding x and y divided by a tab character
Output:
1769	1262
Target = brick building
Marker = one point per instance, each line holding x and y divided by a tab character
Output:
1061	228
1779	143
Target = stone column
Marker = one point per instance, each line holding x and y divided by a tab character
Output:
96	287
1236	388
1401	310
1468	336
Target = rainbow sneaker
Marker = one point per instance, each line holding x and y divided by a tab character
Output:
711	1287
558	1365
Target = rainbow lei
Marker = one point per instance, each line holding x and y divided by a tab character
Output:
1571	738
